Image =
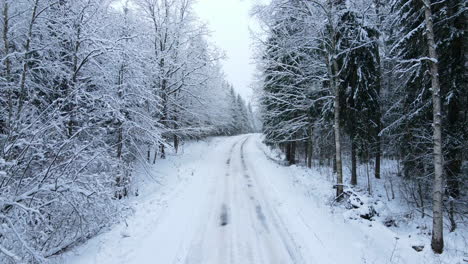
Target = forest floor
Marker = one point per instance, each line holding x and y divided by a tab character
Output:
226	200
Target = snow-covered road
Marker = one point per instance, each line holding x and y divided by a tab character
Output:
227	202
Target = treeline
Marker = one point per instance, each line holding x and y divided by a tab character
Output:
87	88
372	79
242	118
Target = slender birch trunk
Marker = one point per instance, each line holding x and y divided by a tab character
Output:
336	126
437	242
334	70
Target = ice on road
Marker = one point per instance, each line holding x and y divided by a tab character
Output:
227	202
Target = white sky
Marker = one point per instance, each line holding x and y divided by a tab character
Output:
229	22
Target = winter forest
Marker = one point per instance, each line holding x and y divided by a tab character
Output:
123	141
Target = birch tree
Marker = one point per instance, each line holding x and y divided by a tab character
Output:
437	242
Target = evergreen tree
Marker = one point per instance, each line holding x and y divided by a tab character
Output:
360	86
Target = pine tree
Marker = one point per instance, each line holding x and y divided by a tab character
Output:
360	86
286	90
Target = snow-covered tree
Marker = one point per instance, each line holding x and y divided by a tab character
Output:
87	89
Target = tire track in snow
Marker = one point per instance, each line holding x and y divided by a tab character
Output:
226	251
229	252
254	246
194	255
288	242
267	249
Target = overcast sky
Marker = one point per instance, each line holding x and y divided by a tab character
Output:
229	22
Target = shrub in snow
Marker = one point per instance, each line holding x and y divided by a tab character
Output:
367	212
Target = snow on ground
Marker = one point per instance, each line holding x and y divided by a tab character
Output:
408	228
227	201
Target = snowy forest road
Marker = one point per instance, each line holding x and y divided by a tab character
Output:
244	227
230	203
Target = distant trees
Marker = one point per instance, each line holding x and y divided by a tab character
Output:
241	118
361	72
88	88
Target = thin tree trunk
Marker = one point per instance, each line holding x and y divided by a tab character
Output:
421	198
437	242
155	154
377	159
369	185
310	148
306	152
380	82
119	142
288	152
339	168
453	224
74	104
7	63
353	163
148	153
175	137
332	163
176	143
453	169
120	84
293	153
162	150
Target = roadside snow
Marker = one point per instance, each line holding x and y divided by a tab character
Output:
175	180
382	244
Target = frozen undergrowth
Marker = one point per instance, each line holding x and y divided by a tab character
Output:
386	208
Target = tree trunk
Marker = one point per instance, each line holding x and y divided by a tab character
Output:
437	242
148	153
339	168
309	153
175	137
7	64
332	163
120	83
162	150
421	198
377	159
333	72
306	152
453	224
353	163
380	82
120	142
176	143
293	153
155	154
288	152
